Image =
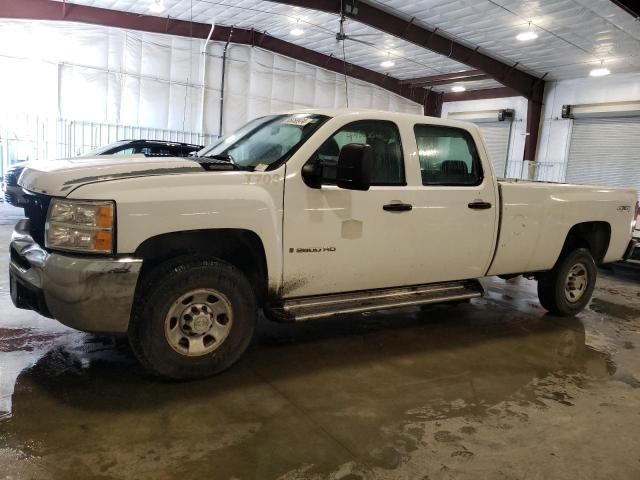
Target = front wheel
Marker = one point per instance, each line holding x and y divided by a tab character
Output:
567	289
195	320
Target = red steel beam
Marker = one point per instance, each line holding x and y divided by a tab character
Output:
487	93
632	7
445	77
435	83
59	11
433	104
534	115
385	21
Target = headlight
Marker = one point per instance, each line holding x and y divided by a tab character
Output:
80	226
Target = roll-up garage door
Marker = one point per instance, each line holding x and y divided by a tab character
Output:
605	151
496	136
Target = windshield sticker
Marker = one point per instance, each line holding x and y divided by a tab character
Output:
299	121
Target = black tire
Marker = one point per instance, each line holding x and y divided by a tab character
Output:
552	285
160	293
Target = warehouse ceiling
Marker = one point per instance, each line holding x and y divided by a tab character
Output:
574	36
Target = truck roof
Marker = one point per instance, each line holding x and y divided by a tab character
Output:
398	117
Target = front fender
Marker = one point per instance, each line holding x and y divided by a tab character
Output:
151	206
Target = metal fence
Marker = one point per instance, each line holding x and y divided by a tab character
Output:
549	171
24	138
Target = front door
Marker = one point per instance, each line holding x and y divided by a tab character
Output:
339	240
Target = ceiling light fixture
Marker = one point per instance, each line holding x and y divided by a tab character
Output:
600	71
527	36
387	63
458	88
296	32
157	6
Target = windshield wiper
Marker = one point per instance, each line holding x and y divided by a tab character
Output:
221	160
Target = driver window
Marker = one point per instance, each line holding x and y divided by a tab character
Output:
384	139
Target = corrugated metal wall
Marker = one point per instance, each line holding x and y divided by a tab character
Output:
605	151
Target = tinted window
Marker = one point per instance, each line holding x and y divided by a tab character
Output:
384	139
124	151
448	156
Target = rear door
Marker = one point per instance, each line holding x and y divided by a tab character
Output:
455	206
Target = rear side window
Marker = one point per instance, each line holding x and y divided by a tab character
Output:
448	156
384	139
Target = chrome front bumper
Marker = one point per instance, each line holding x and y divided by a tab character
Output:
86	293
633	250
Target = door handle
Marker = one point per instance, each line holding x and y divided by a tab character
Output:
479	205
397	207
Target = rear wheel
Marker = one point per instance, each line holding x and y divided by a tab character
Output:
195	320
567	289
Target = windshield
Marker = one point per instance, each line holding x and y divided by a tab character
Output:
265	141
101	150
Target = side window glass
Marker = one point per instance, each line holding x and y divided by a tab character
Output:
384	139
448	156
125	151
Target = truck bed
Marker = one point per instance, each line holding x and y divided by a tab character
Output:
537	216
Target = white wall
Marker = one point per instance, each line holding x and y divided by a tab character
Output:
115	76
553	146
518	132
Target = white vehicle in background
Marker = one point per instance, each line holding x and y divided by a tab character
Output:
634	258
302	215
13	193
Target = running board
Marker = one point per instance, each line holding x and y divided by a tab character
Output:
307	308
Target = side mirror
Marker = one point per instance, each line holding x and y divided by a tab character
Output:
312	174
354	167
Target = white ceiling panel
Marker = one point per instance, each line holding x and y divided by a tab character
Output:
320	30
574	35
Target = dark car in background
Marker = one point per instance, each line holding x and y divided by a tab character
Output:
13	192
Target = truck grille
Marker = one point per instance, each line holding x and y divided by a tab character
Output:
36	211
12	175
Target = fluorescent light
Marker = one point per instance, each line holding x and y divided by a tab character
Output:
458	88
599	72
296	32
387	64
157	6
430	152
526	36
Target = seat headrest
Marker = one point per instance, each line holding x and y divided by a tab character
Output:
454	167
330	148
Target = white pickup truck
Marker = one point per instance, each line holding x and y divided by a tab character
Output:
301	215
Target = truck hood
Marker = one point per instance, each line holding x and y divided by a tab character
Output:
61	177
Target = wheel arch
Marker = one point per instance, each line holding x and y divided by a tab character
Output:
595	236
240	247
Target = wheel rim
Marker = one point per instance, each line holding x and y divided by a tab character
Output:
198	322
576	282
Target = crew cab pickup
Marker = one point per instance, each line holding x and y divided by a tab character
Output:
300	215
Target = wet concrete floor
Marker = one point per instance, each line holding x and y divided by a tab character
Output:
493	389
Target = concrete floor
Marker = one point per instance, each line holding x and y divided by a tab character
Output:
494	389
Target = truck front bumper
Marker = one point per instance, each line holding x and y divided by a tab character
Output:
86	293
633	251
